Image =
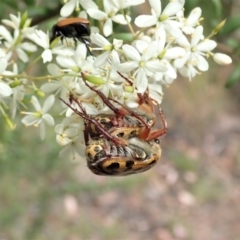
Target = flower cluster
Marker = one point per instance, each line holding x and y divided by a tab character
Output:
123	64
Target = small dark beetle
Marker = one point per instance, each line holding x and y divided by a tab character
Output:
76	28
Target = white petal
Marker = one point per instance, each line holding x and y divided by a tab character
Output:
115	58
119	18
36	103
5	90
53	69
88	4
48	103
99	40
63	51
156	6
22	55
29	120
48	119
101	59
97	14
160	37
3	64
127	67
174	28
107	27
194	16
141	81
47	55
66	62
171	72
143	21
206	46
156	96
6	34
131	52
175	52
202	63
222	59
156	66
197	35
62	141
179	63
173	7
27	46
40	38
50	86
151	50
80	54
67	9
117	43
183	41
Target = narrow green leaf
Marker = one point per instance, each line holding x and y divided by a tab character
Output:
217	7
234	77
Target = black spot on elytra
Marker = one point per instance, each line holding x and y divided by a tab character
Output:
129	163
90	156
113	166
121	134
133	133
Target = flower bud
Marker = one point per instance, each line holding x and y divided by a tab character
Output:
39	93
15	83
95	80
222	59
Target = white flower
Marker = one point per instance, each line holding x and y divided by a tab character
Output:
222	59
70	135
122	4
108	16
110	49
166	54
167	18
18	91
12	43
69	6
196	50
55	86
192	20
40	117
42	39
143	65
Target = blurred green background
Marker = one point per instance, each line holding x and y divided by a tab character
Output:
192	193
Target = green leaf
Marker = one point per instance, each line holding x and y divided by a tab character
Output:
231	25
217	8
234	77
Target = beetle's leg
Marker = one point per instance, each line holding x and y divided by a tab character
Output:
83	40
126	79
61	38
105	99
75	42
133	113
83	114
161	132
85	133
